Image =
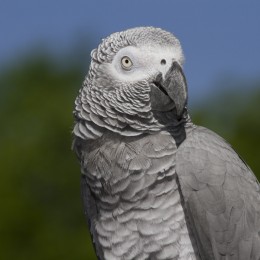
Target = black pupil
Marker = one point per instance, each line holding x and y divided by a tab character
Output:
126	61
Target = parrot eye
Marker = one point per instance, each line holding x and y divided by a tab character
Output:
126	63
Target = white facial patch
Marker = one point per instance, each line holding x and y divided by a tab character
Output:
146	62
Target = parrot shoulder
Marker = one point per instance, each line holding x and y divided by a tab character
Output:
221	196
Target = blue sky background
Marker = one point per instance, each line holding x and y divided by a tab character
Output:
221	39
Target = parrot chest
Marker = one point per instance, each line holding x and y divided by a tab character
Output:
140	215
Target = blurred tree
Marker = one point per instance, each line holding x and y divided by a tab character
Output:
42	216
235	115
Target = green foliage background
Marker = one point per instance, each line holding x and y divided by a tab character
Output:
41	213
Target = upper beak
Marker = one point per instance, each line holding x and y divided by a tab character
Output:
175	86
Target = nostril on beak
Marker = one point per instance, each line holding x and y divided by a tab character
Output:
163	62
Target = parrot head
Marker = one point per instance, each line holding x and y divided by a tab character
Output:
133	75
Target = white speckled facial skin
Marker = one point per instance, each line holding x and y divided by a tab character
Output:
147	61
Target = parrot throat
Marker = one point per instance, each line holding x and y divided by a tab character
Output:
175	125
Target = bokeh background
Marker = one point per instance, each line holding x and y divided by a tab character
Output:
44	56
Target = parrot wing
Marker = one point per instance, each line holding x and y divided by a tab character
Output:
221	197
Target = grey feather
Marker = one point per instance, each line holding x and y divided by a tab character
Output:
154	185
222	196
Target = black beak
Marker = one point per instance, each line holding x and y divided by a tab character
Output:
175	86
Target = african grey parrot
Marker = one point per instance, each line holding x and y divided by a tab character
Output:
154	185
